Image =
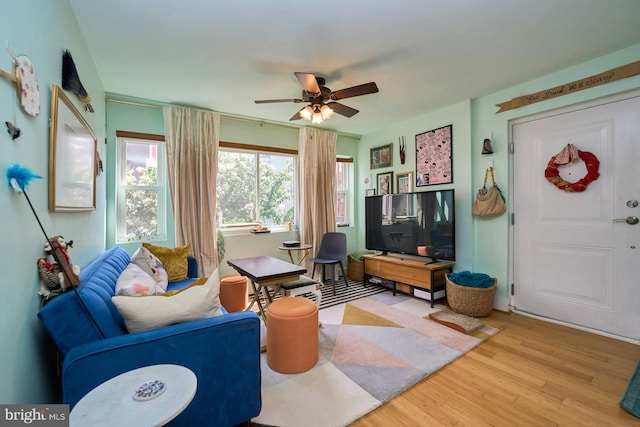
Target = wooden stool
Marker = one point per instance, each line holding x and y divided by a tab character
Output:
233	293
292	335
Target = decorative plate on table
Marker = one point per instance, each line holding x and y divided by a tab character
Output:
149	390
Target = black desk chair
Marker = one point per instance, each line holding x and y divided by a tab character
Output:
333	249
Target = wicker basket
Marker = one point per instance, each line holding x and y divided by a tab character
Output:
474	302
355	268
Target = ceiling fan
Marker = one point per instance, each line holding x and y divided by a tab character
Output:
321	99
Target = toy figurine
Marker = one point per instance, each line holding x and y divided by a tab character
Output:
53	280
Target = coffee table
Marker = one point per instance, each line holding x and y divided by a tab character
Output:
265	271
112	403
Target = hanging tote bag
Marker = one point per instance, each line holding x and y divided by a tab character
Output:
489	202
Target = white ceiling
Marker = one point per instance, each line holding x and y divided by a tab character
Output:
423	54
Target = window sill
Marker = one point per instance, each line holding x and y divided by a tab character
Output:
236	231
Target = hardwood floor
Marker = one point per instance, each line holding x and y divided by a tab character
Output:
532	373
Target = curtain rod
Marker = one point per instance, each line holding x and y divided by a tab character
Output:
225	116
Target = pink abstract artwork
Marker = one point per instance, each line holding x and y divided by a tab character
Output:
434	157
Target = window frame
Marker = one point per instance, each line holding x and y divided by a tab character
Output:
121	188
257	150
347	178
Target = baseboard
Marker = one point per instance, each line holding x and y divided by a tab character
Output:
501	304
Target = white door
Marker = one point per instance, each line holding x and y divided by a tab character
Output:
576	256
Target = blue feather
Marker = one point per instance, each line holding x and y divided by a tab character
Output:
19	177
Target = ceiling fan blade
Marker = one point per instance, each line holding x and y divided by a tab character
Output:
297	115
268	101
350	92
342	109
308	82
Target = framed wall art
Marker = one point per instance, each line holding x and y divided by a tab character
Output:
434	156
404	182
72	157
385	183
369	192
381	157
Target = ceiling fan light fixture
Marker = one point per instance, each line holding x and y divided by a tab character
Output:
326	112
316	94
317	116
306	112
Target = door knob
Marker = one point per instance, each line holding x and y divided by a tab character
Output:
631	220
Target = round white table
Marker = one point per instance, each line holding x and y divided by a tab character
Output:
112	403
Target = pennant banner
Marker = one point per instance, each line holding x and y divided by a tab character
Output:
623	72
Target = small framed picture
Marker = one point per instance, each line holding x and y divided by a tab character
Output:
385	183
404	182
381	157
370	192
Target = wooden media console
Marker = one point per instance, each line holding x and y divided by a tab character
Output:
411	272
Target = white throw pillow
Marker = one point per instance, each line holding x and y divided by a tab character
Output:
134	282
156	311
150	263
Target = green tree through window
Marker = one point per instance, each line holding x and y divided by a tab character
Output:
140	189
255	187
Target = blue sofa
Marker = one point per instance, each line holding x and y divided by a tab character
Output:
223	351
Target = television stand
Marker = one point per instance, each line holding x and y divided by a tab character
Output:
428	277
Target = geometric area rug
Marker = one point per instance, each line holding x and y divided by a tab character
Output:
371	350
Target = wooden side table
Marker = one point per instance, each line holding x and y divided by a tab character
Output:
112	403
302	250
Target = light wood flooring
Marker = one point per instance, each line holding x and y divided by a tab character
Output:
532	373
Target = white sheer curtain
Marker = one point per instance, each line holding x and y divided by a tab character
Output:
317	186
192	139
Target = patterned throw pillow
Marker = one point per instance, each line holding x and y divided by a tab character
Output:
135	282
151	265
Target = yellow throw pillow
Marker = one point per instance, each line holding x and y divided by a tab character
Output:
174	260
155	311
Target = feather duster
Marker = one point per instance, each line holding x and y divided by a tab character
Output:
19	177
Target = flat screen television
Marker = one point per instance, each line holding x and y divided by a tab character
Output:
420	223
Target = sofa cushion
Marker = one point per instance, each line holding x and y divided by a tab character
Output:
174	260
155	311
151	265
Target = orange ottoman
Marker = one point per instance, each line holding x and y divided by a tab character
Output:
233	293
292	335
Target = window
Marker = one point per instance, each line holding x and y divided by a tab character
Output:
342	193
255	186
140	188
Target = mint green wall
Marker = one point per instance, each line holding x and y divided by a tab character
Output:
145	119
41	30
458	115
482	244
491	237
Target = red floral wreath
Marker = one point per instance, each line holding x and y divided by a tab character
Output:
591	162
